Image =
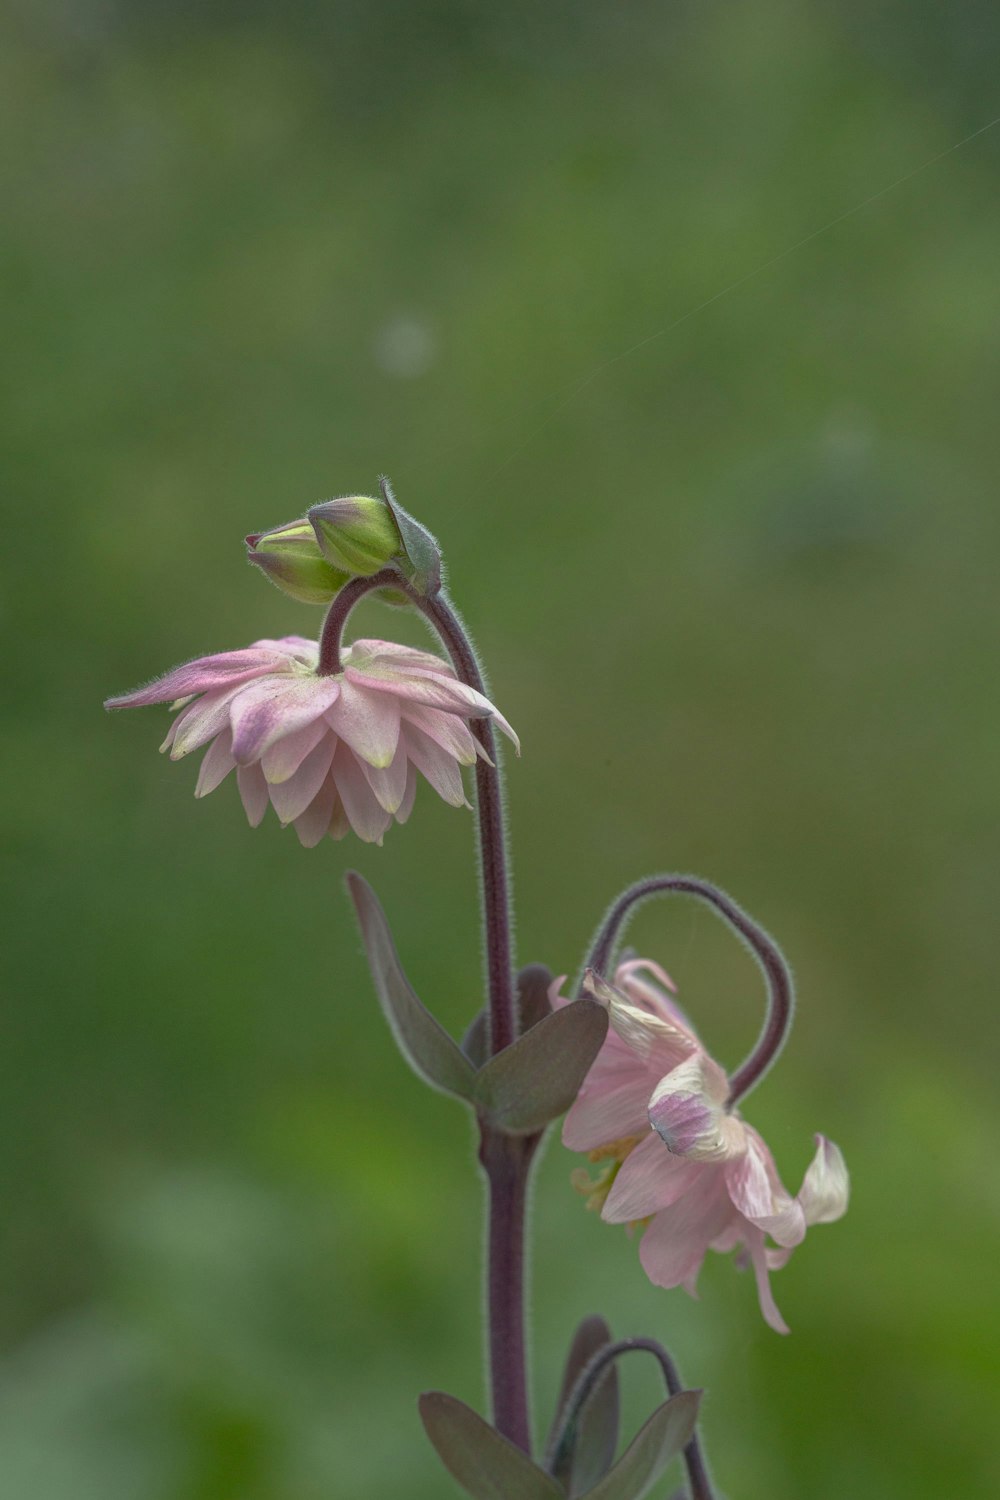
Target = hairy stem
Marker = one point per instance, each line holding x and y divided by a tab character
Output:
506	1160
777	974
586	1383
492	841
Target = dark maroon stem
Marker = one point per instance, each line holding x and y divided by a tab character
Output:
336	616
506	1160
493	860
493	857
694	1459
777	974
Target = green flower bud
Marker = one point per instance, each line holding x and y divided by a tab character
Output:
357	533
291	558
363	535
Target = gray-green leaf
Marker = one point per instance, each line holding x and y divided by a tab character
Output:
532	1082
486	1465
590	1454
421	1038
668	1430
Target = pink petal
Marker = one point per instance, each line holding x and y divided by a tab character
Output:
655	1041
755	1191
436	692
367	721
768	1306
394	656
406	806
340	823
447	730
283	758
292	648
202	721
291	798
225	669
314	824
674	1245
633	970
389	783
630	977
437	765
687	1109
216	764
253	790
367	818
649	1179
597	1118
826	1189
266	711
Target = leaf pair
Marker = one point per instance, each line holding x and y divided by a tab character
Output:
488	1467
520	1090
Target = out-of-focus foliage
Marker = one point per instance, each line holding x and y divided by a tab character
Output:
737	591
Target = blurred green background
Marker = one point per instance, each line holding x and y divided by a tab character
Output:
737	592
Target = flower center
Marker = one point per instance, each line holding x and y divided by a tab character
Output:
596	1189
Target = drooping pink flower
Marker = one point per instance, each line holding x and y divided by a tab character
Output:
653	1106
329	753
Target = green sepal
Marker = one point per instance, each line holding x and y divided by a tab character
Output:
432	1054
422	553
589	1454
536	1079
486	1465
655	1446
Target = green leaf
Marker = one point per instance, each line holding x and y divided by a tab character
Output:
530	1083
421	1038
668	1430
486	1465
590	1453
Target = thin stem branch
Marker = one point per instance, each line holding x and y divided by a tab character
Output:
777	974
332	633
586	1383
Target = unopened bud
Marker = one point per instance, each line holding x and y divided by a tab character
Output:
357	533
291	558
364	535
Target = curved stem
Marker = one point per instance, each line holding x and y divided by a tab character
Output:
506	1160
336	616
694	1459
777	974
493	854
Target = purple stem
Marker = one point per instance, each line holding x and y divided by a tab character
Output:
694	1459
777	974
493	861
506	1160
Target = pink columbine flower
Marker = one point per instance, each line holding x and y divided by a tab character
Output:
330	753
653	1106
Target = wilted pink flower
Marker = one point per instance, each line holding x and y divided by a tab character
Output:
329	753
692	1172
